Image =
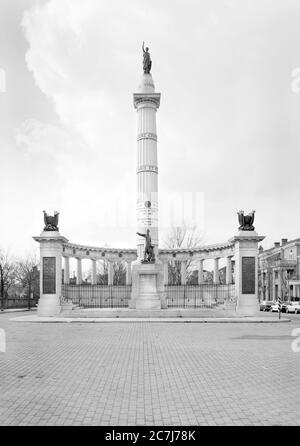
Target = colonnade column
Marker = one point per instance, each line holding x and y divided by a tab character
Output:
216	270
94	272
128	273
166	273
79	272
67	270
228	270
183	272
110	273
200	272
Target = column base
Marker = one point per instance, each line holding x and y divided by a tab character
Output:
49	306
148	291
247	305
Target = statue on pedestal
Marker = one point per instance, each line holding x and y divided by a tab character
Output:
51	221
246	221
147	62
149	248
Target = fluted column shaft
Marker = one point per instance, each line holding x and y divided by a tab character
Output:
216	270
67	270
94	272
79	272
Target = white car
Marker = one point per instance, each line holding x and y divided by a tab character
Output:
274	307
293	307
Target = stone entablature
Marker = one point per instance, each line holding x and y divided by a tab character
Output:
202	253
127	254
98	253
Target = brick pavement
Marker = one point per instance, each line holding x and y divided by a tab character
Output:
149	374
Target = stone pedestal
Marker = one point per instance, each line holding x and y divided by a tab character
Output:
51	248
246	272
147	286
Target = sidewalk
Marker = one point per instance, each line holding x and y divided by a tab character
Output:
12	310
36	318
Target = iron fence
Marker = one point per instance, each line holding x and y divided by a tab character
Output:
199	296
98	296
11	302
178	296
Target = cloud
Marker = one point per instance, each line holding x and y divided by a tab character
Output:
223	70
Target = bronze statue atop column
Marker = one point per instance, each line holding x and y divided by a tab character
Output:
147	62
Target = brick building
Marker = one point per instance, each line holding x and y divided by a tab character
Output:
279	271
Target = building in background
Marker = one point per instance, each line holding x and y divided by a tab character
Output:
279	271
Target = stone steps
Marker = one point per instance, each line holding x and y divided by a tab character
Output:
132	313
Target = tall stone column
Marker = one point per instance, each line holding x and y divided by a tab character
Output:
79	272
110	273
246	272
216	270
51	249
66	270
200	272
128	272
183	272
94	272
228	270
148	291
146	102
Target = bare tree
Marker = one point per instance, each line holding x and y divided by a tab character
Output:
28	276
119	273
182	237
7	275
102	272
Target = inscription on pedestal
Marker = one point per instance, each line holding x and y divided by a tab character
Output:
248	275
49	275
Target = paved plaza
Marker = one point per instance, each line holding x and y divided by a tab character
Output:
140	373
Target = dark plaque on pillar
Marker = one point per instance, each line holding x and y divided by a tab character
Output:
49	275
248	275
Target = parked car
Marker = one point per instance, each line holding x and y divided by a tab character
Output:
274	307
293	307
265	305
284	307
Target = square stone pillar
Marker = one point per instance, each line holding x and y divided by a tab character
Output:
51	249
246	272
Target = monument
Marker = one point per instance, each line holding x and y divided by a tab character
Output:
147	271
246	265
147	266
51	248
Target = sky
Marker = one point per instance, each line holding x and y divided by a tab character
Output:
228	124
